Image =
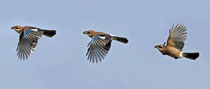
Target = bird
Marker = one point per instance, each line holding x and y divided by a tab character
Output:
100	45
28	39
175	44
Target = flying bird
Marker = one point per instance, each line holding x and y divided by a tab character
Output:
175	44
100	45
28	39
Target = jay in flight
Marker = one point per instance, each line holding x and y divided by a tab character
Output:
100	45
28	39
175	43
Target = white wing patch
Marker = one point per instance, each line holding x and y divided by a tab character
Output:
102	37
35	30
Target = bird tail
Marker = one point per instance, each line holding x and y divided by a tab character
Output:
49	33
120	39
191	56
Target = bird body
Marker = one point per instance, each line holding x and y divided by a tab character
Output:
175	44
173	52
100	45
28	39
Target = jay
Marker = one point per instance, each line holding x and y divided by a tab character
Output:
100	45
28	39
175	44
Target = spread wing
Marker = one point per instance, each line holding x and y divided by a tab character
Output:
98	48
177	36
27	42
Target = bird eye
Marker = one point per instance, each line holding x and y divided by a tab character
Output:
15	27
102	35
88	32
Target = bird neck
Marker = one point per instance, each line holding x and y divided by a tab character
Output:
163	50
18	31
90	35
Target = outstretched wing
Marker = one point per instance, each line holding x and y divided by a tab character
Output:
98	48
177	36
27	42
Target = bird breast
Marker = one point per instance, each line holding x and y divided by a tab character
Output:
173	52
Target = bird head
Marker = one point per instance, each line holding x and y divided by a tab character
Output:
161	47
90	33
17	28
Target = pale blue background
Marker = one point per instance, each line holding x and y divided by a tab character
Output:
60	62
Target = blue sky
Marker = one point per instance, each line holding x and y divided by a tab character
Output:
60	62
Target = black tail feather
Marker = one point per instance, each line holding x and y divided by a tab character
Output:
191	56
49	33
120	39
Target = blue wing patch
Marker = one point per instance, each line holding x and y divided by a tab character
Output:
28	31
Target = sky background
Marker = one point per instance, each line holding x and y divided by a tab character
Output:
60	62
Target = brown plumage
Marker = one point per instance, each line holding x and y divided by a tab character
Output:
28	39
175	43
100	45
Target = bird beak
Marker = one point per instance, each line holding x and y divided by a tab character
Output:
85	32
155	46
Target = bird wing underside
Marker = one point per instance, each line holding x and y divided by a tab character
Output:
25	48
27	43
177	36
98	48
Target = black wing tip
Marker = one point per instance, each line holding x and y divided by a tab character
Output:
23	59
179	24
95	61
